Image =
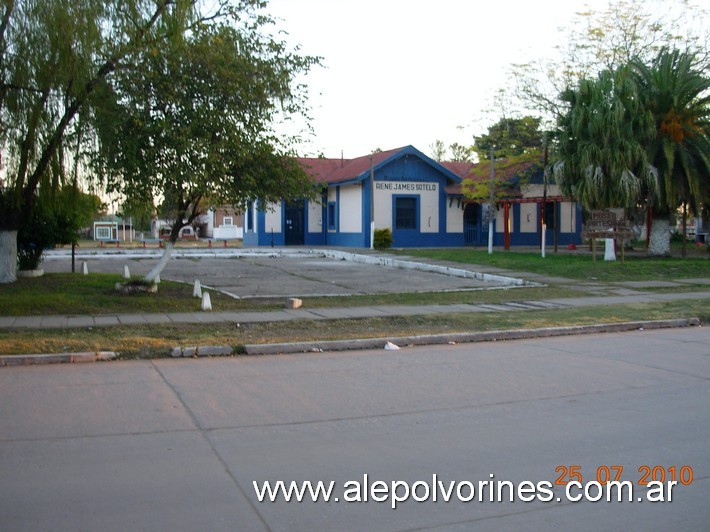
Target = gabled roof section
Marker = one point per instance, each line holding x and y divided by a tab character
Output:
343	171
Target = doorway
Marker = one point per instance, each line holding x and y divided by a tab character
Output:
475	224
294	223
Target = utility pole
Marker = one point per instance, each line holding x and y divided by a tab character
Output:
543	214
372	203
491	207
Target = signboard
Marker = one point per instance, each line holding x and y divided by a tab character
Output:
394	186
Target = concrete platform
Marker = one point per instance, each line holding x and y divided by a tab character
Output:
309	273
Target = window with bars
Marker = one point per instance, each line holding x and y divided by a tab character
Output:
405	212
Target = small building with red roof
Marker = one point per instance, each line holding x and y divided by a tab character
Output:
525	201
410	198
423	202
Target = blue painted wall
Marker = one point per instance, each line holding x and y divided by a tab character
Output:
406	166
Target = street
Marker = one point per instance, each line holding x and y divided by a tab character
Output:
178	444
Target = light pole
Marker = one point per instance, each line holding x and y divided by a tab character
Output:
372	204
491	207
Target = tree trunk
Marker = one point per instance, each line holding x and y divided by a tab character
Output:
174	234
8	256
660	238
155	271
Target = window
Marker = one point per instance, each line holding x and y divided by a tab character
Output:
228	220
249	225
405	212
103	233
332	225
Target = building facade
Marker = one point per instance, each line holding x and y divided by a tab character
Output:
420	200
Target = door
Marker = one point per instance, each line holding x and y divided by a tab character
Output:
550	219
294	230
475	224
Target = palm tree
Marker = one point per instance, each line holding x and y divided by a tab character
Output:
677	93
602	138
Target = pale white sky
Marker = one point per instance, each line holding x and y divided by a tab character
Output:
401	72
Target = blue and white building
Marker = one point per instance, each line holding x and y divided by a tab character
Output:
419	199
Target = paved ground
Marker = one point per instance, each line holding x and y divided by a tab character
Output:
285	275
176	444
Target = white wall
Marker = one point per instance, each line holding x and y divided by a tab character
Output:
568	215
350	209
454	216
429	211
273	218
500	219
315	217
428	203
528	217
225	232
537	191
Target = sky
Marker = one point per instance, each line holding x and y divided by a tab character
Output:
401	72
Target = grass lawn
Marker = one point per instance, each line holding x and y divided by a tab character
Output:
75	294
146	341
575	266
95	294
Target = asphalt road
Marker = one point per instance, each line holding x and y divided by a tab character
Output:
176	444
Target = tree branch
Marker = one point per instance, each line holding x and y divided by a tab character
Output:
70	111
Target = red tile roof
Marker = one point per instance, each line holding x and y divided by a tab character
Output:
338	170
460	169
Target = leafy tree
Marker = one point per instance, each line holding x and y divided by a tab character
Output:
607	39
602	142
53	56
55	219
141	212
677	94
510	137
193	124
509	174
438	150
460	153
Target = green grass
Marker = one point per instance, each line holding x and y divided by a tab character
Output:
575	266
74	294
146	341
95	294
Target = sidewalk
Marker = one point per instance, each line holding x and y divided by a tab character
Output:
295	275
301	272
380	311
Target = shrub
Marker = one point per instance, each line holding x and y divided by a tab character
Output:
383	239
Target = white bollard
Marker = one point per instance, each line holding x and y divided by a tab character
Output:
206	301
609	251
85	268
197	289
126	272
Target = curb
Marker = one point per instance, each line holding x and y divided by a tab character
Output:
409	264
364	343
457	338
56	358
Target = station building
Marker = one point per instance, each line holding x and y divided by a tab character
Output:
420	200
